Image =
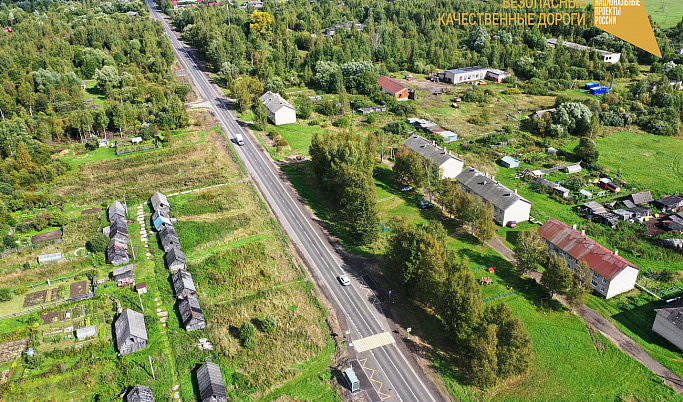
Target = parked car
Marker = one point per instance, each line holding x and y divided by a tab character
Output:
407	188
512	224
425	205
344	280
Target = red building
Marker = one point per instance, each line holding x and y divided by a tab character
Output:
396	89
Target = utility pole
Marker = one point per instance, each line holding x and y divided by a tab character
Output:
227	7
150	365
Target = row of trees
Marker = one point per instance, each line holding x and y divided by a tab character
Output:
464	208
494	344
531	250
343	163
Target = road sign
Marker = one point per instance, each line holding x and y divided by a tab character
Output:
348	332
409	329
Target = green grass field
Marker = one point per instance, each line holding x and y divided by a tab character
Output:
645	160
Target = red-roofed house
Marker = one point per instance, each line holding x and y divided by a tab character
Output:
395	88
612	274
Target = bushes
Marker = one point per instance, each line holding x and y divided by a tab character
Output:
98	244
342	122
269	324
248	335
5	295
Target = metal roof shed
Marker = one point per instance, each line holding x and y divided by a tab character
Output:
509	162
140	393
210	381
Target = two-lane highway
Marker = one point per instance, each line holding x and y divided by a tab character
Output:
392	374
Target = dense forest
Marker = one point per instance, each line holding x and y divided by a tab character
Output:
47	52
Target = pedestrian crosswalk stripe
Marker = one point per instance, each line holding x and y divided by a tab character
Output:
373	341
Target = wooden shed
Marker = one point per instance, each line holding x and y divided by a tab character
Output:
131	333
210	381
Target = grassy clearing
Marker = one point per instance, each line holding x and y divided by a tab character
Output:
101	176
644	160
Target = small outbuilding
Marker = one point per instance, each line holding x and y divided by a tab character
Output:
191	313
116	211
169	238
586	193
87	332
141	287
640	198
159	201
669	204
574	168
175	259
183	285
509	162
123	275
211	385
130	330
140	393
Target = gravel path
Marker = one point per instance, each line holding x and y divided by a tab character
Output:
593	319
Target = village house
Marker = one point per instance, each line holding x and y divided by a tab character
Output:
141	287
610	273
669	323
640	198
396	89
211	385
191	313
183	285
140	393
673	223
175	259
348	25
130	330
279	110
118	230
449	165
159	202
508	206
669	204
607	56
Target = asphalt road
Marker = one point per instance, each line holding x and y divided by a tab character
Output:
392	374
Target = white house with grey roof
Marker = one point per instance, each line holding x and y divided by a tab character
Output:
279	110
507	204
449	165
131	333
211	385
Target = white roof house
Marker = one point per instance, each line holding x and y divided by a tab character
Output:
507	204
450	165
279	110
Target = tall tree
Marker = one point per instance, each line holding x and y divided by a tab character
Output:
514	344
530	250
481	222
459	301
23	157
556	278
587	150
482	362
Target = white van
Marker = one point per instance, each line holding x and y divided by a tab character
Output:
239	140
